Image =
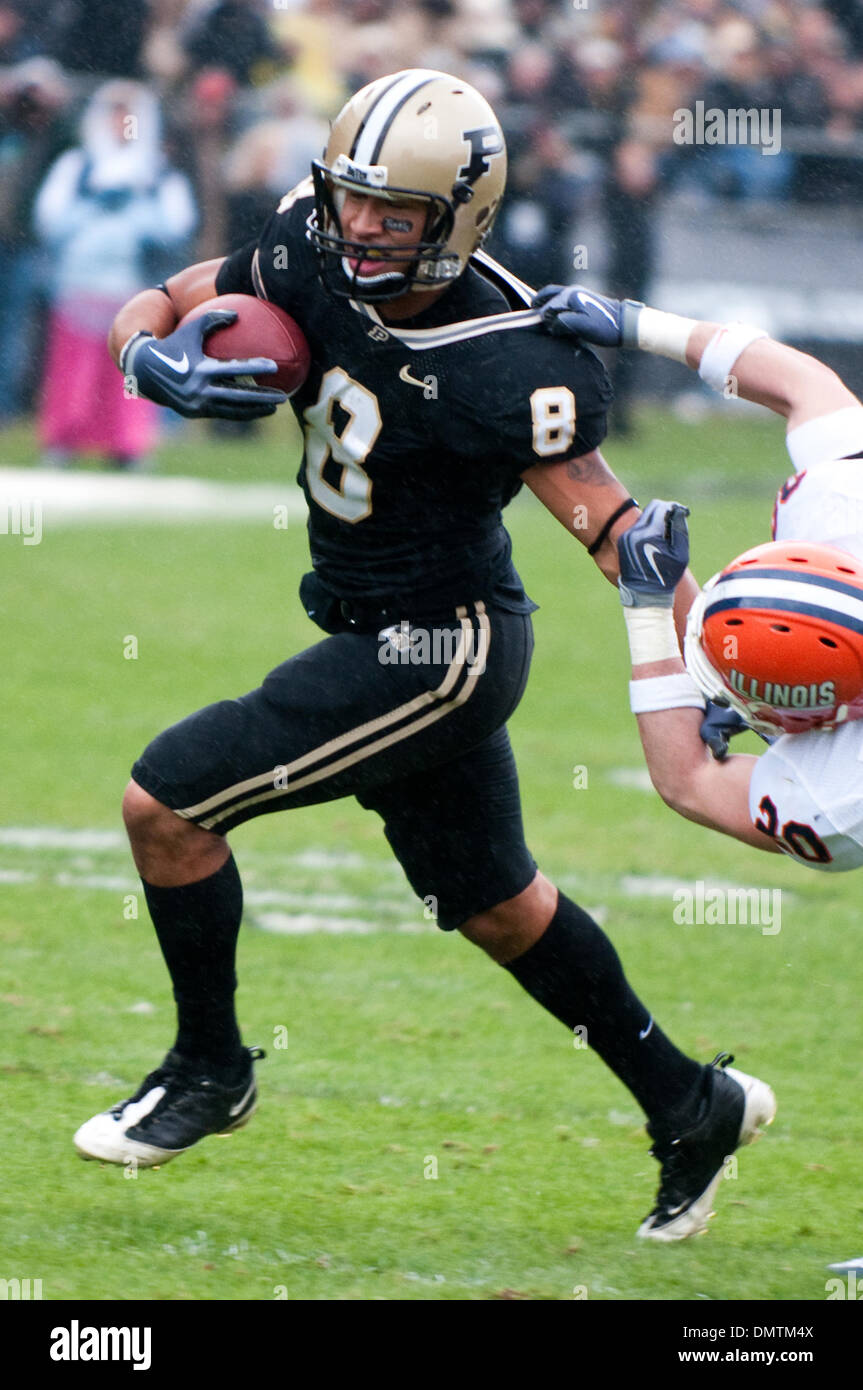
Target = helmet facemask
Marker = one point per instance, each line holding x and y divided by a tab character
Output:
428	264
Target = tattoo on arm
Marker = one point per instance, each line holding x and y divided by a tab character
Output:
590	468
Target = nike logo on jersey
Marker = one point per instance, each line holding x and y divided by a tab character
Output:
241	1104
649	552
405	375
180	365
585	298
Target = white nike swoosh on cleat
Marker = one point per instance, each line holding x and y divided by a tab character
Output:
177	364
131	1114
643	1034
235	1109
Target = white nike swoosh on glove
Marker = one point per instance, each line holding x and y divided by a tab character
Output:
585	298
654	550
181	365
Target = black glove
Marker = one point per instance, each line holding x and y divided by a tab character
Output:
720	723
653	555
175	371
594	318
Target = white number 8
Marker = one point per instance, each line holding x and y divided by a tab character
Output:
553	412
352	499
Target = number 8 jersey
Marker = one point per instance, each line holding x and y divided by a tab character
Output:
417	432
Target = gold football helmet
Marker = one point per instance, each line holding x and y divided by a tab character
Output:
413	137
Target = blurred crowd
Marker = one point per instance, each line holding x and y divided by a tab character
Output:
135	138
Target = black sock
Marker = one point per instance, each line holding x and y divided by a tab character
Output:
574	971
197	926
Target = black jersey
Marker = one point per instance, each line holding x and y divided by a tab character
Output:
417	432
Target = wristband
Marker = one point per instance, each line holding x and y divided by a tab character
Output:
603	535
677	691
123	360
652	634
666	335
723	351
832	436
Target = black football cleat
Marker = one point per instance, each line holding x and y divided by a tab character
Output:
172	1109
733	1111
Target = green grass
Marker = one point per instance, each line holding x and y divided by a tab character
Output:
404	1046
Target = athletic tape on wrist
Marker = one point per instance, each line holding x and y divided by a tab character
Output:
666	335
652	634
723	351
123	360
832	436
677	691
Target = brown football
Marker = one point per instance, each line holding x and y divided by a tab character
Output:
261	330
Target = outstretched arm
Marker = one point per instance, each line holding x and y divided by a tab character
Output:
666	701
733	357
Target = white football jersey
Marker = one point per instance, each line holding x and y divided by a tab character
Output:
807	789
807	792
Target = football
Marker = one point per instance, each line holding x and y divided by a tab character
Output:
261	330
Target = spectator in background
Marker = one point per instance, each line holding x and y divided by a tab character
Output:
232	34
103	208
546	179
17	40
631	183
100	37
269	159
34	130
744	82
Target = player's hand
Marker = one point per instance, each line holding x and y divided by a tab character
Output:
653	555
594	318
175	371
720	723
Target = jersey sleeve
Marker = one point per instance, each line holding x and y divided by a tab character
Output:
235	273
279	264
552	406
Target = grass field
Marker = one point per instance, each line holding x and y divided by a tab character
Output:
408	1052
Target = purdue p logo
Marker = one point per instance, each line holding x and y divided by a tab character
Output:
483	142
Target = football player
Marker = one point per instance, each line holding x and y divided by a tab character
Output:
776	638
433	394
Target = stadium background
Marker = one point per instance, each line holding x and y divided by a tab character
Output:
403	1047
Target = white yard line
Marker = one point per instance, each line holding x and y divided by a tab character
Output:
68	497
307	912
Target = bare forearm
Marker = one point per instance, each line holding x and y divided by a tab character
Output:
158	313
786	381
686	776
